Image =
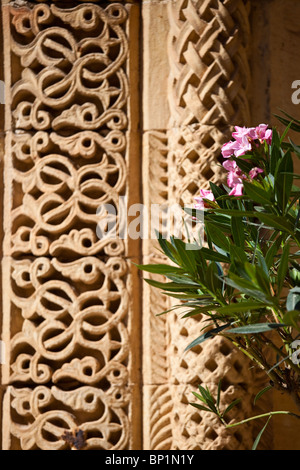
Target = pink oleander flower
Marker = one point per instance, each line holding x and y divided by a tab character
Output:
237	148
204	194
244	145
235	177
254	172
262	133
229	148
229	165
237	190
243	133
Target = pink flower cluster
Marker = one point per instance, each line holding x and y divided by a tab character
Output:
204	194
246	139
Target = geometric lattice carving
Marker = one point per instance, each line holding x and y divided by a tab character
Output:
208	62
208	84
157	399
207	92
68	306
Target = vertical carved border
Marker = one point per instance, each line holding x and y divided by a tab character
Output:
208	94
70	304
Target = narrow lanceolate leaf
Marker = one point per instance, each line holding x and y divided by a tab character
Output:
275	152
255	328
257	193
167	248
207	335
212	279
200	397
159	268
293	299
283	267
272	251
185	256
292	318
219	393
279	223
256	442
217	192
212	255
172	286
261	392
199	310
284	181
217	237
201	407
209	399
247	288
240	307
235	402
238	232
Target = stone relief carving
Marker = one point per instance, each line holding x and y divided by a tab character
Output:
67	302
67	309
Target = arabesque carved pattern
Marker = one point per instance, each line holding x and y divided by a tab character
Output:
67	300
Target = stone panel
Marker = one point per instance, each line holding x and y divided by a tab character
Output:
69	308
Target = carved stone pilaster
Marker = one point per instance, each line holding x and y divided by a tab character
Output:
208	85
69	307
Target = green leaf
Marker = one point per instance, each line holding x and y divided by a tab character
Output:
279	223
167	248
234	403
286	131
212	255
247	288
212	278
272	251
294	126
209	399
275	152
199	215
199	310
217	237
292	318
293	299
256	442
201	407
159	268
257	193
181	279
245	166
240	307
238	232
255	328
284	181
172	286
235	212
207	335
261	392
295	147
186	258
218	193
219	393
237	253
283	267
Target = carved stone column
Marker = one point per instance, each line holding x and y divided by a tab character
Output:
207	91
70	305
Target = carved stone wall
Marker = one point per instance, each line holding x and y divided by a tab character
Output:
109	101
69	307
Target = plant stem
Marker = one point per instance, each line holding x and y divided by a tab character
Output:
271	413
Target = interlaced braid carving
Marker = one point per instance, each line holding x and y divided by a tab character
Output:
208	83
67	306
209	74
